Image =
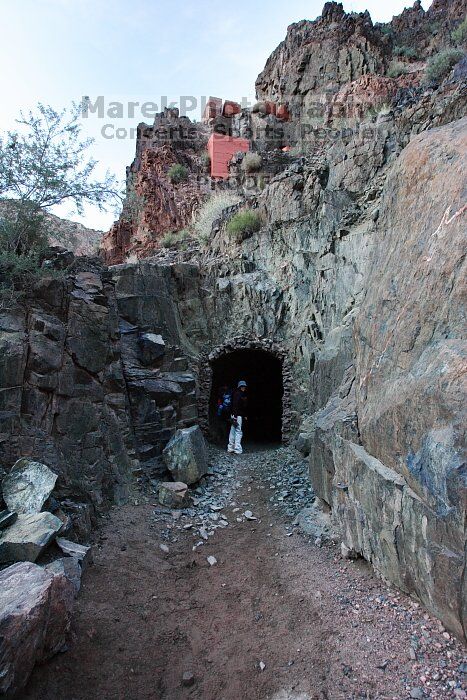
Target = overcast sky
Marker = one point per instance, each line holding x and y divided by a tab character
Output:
57	51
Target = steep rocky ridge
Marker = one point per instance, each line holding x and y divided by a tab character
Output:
72	235
317	58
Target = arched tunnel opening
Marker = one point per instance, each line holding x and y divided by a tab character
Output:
262	372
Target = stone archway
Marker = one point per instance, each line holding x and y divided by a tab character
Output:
233	347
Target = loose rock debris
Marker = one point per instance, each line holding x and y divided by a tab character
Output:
281	618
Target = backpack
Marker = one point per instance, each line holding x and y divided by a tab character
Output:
224	406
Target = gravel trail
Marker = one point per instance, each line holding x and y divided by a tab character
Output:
274	614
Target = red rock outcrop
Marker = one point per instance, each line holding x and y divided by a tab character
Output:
327	60
157	206
154	204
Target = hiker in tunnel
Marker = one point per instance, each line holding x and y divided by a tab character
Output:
262	372
224	410
239	415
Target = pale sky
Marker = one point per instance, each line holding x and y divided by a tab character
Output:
57	51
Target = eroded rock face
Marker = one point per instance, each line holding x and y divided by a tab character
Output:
63	395
152	300
411	354
185	455
388	454
317	58
35	610
27	486
155	205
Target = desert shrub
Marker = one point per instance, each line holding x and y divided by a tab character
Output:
434	27
459	35
173	239
184	235
396	69
17	273
251	162
177	173
386	29
385	109
168	240
210	211
440	65
244	223
406	52
205	160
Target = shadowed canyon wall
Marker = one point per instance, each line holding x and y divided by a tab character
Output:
355	281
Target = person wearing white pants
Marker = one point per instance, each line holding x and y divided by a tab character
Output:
239	408
235	436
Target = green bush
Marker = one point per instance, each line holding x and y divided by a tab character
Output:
441	64
406	52
173	239
42	164
459	35
168	240
183	235
244	223
177	173
210	211
251	162
434	28
205	160
396	69
386	29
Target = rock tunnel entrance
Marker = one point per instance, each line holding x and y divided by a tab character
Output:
263	373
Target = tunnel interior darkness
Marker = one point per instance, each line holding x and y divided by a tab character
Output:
262	371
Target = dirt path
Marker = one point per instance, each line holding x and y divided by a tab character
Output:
322	627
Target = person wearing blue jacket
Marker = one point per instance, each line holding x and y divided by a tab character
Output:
239	414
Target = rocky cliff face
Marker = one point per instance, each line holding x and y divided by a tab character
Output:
410	365
387	450
354	282
154	205
87	383
63	392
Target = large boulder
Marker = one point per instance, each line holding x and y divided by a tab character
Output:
27	486
35	612
185	455
27	538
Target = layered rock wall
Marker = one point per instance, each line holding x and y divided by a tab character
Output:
63	395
